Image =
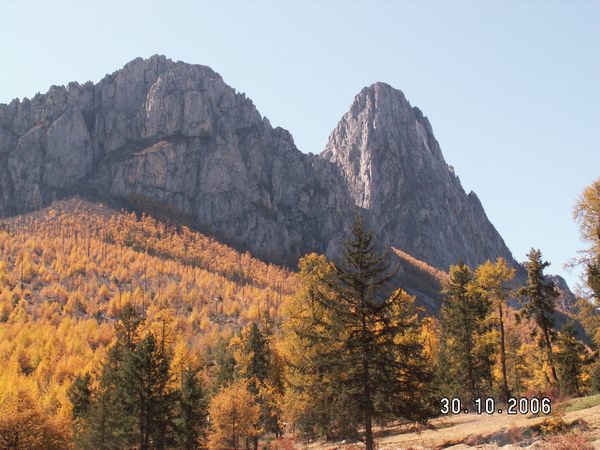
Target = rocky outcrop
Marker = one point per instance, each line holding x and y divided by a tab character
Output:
173	134
394	168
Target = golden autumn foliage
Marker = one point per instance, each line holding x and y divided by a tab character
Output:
27	425
234	417
66	274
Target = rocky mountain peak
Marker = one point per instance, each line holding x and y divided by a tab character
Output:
175	136
380	128
394	168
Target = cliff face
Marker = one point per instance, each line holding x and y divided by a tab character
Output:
175	134
394	168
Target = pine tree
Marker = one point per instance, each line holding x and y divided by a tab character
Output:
107	422
570	358
80	395
592	274
595	377
192	410
467	365
128	327
540	295
255	363
224	365
369	352
255	357
493	280
148	394
134	404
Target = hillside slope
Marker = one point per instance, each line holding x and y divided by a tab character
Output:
67	272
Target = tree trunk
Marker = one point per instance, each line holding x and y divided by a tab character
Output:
368	406
503	355
550	354
469	350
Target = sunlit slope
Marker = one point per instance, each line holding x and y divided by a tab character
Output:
66	273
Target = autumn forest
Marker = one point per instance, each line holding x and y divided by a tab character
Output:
119	330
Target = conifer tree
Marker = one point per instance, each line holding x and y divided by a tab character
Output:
107	422
148	395
540	295
570	358
225	365
369	352
493	280
255	357
587	213
595	377
234	417
255	364
467	366
134	405
80	395
592	273
192	410
128	326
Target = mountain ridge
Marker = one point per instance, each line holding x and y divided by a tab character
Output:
174	134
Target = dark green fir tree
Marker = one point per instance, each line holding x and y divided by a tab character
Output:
540	296
366	349
464	364
192	412
570	358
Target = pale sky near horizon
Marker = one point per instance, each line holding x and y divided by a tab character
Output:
512	88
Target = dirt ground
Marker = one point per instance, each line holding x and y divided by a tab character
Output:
476	431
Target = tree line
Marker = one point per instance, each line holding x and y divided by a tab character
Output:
347	352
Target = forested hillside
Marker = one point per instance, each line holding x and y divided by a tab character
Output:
118	330
67	273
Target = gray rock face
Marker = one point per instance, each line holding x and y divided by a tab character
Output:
394	168
175	134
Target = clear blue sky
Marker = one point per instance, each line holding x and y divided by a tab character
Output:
512	88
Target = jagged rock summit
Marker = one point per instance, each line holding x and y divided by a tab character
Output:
394	168
172	135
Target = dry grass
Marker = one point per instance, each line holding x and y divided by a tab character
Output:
568	442
575	430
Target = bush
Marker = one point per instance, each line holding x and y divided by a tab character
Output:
553	425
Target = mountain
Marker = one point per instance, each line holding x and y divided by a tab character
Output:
394	168
171	136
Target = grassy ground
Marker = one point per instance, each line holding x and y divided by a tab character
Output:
574	426
580	403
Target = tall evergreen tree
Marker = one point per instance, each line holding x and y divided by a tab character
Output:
224	365
80	395
255	357
468	365
257	366
540	296
368	344
128	327
148	395
134	404
107	422
570	358
192	410
592	274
